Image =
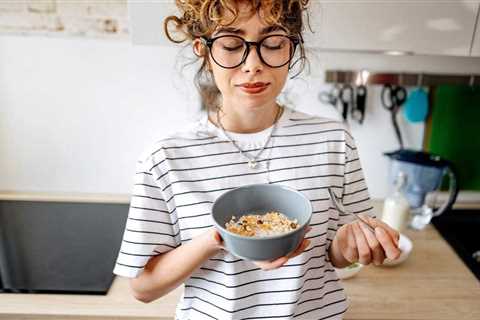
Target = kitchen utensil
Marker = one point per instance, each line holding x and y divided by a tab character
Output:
259	199
424	173
392	99
330	97
358	110
416	106
346	97
339	206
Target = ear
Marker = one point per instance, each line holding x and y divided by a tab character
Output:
201	51
199	48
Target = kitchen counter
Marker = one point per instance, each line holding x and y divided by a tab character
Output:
432	284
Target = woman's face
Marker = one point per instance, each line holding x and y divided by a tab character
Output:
232	82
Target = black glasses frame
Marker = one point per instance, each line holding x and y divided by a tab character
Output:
295	41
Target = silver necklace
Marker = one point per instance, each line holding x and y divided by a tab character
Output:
252	162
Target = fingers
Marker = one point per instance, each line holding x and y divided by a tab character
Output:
301	247
218	239
305	243
270	265
391	250
378	255
277	263
364	252
358	243
348	245
387	236
379	223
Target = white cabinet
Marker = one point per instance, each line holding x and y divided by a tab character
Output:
476	38
146	21
432	27
422	27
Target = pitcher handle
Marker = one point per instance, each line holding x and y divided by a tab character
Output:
452	190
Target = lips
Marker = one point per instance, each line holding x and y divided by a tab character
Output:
253	87
253	84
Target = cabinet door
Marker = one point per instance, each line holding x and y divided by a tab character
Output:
146	21
422	27
476	39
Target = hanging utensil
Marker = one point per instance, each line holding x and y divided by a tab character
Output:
330	97
392	99
416	106
358	110
346	97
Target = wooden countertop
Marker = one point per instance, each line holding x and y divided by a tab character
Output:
432	284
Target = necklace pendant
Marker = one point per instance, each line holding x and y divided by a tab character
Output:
252	164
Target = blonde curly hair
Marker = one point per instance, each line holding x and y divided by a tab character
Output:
201	18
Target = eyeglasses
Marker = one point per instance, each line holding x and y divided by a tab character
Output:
230	51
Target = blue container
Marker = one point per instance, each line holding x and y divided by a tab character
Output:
424	173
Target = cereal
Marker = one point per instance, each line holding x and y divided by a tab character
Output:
271	223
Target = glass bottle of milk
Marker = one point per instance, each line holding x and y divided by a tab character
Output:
396	208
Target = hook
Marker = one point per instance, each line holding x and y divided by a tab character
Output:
419	79
335	76
472	80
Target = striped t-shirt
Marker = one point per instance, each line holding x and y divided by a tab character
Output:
178	179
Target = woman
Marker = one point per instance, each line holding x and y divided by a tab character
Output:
246	137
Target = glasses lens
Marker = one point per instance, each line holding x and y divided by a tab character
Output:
276	51
228	51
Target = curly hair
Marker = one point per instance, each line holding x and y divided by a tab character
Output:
201	18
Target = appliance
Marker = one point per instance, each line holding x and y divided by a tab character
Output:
424	173
59	247
460	229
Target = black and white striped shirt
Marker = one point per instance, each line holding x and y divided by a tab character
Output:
179	178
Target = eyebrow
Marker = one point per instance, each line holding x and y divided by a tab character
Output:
241	32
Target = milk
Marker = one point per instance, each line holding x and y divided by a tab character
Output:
396	208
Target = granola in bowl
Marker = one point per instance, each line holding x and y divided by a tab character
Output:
261	225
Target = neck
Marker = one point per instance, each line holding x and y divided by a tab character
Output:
246	121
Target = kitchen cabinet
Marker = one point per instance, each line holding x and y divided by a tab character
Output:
146	21
420	27
476	37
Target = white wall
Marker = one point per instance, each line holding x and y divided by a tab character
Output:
76	113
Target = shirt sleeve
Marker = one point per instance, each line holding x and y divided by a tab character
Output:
150	229
355	196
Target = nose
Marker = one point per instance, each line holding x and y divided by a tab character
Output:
252	63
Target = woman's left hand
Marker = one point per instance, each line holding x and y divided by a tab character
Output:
277	263
354	242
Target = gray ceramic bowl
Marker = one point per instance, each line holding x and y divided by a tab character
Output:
259	199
